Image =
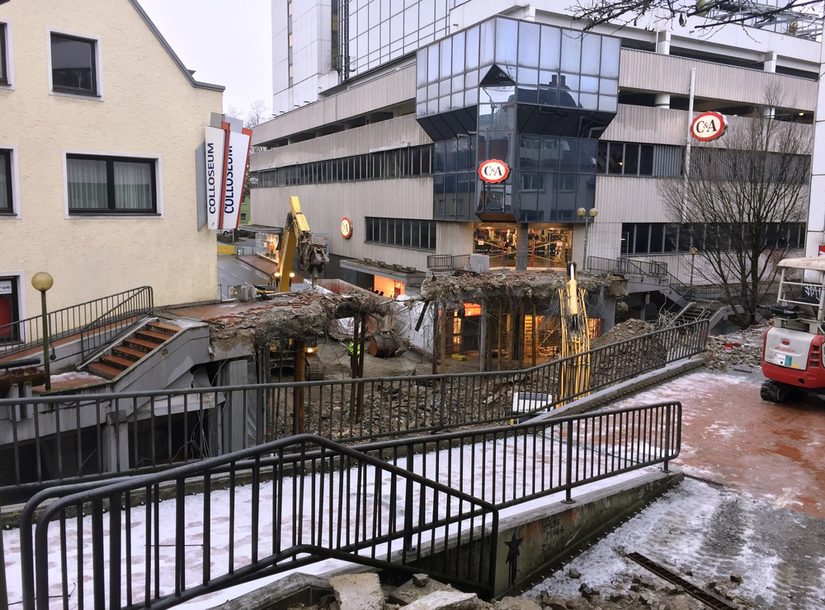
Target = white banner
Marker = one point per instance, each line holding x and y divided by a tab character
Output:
215	148
235	169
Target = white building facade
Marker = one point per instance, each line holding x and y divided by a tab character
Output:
425	91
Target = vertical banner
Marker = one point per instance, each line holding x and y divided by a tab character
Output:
214	152
237	153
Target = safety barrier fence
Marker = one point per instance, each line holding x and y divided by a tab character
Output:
52	439
406	504
93	322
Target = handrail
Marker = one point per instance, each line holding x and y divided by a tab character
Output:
68	321
320	499
623	265
91	341
213	420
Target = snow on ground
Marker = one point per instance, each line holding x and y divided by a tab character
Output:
766	523
710	533
496	471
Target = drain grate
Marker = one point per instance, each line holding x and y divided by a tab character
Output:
710	482
710	600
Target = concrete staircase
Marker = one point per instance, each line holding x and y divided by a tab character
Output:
131	350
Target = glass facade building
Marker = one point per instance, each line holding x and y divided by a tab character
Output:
532	95
378	31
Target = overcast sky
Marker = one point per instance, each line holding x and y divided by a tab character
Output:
226	42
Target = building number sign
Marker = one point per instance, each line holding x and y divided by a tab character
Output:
708	126
493	171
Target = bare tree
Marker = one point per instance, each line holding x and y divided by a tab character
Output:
718	12
739	202
258	113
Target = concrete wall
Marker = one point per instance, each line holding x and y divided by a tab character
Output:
148	107
325	205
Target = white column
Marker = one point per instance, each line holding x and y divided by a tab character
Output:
663	47
816	207
769	66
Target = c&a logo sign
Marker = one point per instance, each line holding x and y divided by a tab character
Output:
708	126
493	171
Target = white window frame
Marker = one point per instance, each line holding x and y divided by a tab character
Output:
98	64
15	185
159	212
9	58
21	301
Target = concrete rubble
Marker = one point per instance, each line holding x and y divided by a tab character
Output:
358	591
506	286
363	592
738	351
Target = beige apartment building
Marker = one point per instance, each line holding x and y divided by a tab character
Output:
100	125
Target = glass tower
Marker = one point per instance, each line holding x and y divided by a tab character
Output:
534	96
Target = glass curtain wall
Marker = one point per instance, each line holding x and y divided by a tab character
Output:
532	95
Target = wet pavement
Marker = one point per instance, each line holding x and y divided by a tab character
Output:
765	522
773	452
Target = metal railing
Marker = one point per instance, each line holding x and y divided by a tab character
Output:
286	504
406	504
89	318
117	320
623	265
70	438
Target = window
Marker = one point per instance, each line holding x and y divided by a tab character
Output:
4	70
664	238
631	159
404	232
6	200
116	185
9	310
395	163
73	65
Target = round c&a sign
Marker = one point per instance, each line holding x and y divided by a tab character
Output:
708	126
493	171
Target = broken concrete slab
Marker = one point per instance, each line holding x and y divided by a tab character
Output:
447	600
416	588
358	591
516	603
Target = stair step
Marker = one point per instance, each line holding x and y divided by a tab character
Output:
164	327
128	352
116	361
104	370
141	344
152	335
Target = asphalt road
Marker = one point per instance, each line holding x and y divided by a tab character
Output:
232	272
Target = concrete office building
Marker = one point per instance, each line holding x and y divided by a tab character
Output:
384	111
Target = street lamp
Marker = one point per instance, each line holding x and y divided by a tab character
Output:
587	216
41	282
693	252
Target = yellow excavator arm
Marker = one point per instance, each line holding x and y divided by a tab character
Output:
575	338
297	237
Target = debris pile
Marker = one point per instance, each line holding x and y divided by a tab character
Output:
506	286
643	592
630	329
364	591
738	351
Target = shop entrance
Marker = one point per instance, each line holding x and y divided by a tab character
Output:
548	245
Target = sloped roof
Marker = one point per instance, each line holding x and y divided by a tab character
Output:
163	42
